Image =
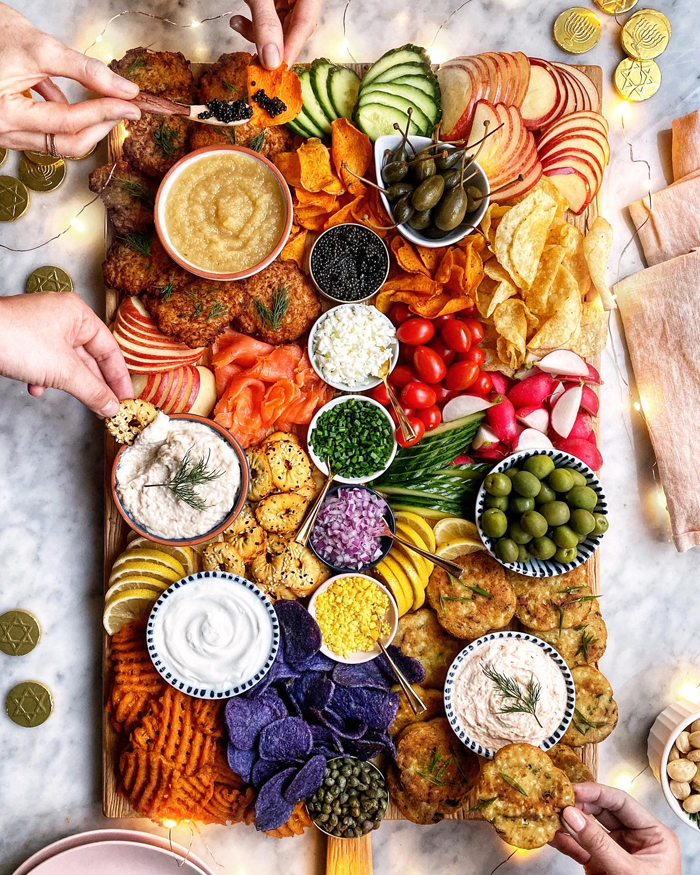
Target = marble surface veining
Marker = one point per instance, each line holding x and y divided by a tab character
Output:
51	463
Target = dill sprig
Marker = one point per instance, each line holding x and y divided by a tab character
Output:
166	139
477	589
512	783
586	641
230	134
197	312
137	63
187	476
435	768
140	243
523	702
257	143
273	316
217	309
137	190
167	290
229	86
483	803
583	724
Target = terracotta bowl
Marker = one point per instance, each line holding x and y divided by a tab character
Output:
159	215
228	519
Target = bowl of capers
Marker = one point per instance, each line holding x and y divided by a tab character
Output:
352	799
435	192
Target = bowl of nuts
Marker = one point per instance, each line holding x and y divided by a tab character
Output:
673	749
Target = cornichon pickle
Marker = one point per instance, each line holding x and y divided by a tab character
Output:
428	193
451	209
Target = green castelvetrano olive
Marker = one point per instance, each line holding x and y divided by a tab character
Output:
498	484
526	484
494	522
565	536
451	209
542	548
556	513
601	524
523	554
545	495
511	472
534	524
566	554
499	501
561	480
452	178
424	169
421	220
582	496
518	534
541	466
394	171
398	190
519	504
582	521
506	550
428	193
452	159
579	478
403	209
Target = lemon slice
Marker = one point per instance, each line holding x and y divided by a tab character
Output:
146	554
136	581
459	547
417	580
421	526
186	556
410	535
132	535
130	567
403	581
400	590
454	527
127	606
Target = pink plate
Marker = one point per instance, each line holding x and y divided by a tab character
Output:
112	836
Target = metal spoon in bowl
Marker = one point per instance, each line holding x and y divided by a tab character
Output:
302	536
162	106
407	431
450	567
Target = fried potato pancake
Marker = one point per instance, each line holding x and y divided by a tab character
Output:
596	712
573	767
140	265
421	636
405	716
583	644
226	78
550	603
155	142
164	73
128	196
413	809
461	609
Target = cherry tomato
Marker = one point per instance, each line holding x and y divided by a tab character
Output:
476	329
443	394
399	313
379	394
482	385
430	366
475	354
430	417
469	311
418	395
461	375
409	411
419	429
445	353
416	331
439	321
401	375
456	335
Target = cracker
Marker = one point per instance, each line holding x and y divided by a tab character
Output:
596	712
131	419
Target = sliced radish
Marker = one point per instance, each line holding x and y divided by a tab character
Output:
534	417
589	399
564	363
583	450
464	405
500	382
494	453
565	410
582	427
593	375
531	391
462	459
559	388
501	418
484	437
532	439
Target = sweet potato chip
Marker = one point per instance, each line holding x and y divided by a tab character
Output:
522	234
596	249
315	168
322	199
344	214
281	83
295	248
431	257
565	305
537	297
355	149
436	305
288	165
406	256
408	282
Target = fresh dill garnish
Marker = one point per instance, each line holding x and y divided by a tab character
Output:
187	476
136	64
435	768
257	142
583	724
483	803
477	589
569	589
137	190
586	641
230	134
167	290
217	309
523	701
140	243
273	316
166	140
512	783
229	86
197	310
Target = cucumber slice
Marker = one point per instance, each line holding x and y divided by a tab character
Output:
303	126
423	124
312	107
375	119
403	70
319	71
408	54
343	86
426	84
416	98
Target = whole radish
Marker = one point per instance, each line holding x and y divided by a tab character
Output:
583	450
501	417
583	426
531	391
500	382
494	452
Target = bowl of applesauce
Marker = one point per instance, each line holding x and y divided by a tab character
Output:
223	212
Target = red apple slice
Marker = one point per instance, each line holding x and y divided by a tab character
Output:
140	383
583	100
457	91
194	389
577	121
595	143
170	402
493	94
588	86
185	393
555	158
515	148
486	120
523	62
571	104
206	396
573	185
520	187
166	381
521	161
584	163
512	78
545	95
502	73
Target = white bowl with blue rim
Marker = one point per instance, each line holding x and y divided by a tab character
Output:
190	622
544	567
387	143
471	651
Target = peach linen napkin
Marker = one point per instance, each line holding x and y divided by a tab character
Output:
668	378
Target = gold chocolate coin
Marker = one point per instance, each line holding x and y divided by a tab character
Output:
29	703
646	34
41	177
48	279
41	157
637	80
14	199
80	157
19	632
577	30
3	156
616	7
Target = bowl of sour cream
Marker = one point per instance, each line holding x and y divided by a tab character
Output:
183	480
213	635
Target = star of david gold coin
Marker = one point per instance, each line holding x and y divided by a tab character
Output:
41	177
637	80
29	704
48	279
616	7
3	156
646	35
14	198
41	157
19	632
577	30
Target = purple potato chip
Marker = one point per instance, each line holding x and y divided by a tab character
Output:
271	808
411	668
307	780
362	749
312	690
338	725
287	739
318	662
384	737
374	707
246	718
241	761
263	770
292	704
301	635
365	674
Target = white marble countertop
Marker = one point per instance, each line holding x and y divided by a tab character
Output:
51	465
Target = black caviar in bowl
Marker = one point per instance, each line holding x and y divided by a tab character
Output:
349	263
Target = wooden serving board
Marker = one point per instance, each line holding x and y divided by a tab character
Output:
115	531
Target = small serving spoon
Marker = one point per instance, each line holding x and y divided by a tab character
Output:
414	700
163	106
446	565
302	536
407	431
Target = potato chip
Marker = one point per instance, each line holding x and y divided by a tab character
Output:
522	234
572	240
492	362
537	297
437	305
596	249
295	248
315	171
406	256
288	165
591	336
355	149
548	187
492	217
281	83
431	257
492	293
511	324
497	272
565	305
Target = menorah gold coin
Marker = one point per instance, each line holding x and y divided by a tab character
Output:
646	35
41	177
48	279
616	7
86	155
14	198
577	30
637	80
41	157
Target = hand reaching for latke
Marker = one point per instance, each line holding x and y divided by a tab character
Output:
619	838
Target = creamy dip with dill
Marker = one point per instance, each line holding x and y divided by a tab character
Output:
225	212
164	452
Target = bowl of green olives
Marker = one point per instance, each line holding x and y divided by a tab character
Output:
433	191
541	512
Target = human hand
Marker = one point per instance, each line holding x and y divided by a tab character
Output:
28	59
278	40
632	842
54	340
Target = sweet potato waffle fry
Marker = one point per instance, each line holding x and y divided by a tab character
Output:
136	682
